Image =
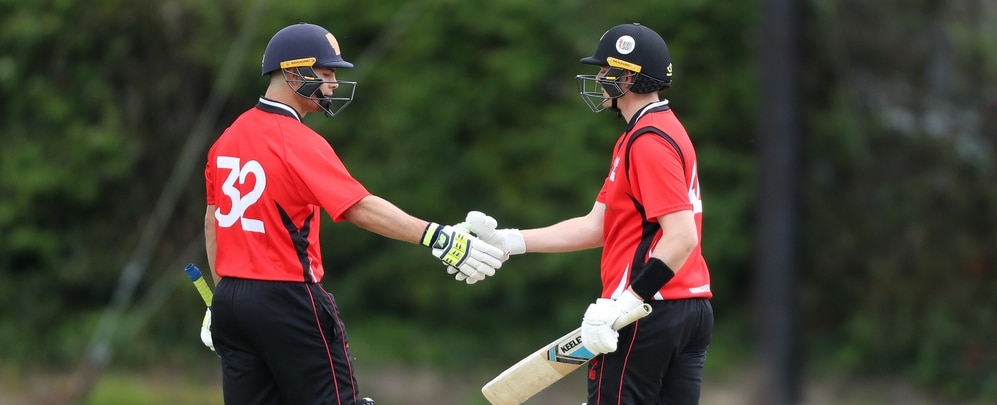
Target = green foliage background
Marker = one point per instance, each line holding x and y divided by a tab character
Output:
472	105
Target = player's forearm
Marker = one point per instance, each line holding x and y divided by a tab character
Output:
678	239
210	242
569	235
377	215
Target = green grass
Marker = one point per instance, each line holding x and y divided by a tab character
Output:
121	388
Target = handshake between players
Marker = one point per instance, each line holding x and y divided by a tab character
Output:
477	262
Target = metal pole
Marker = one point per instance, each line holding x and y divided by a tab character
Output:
778	205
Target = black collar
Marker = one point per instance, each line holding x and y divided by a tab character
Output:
650	108
277	107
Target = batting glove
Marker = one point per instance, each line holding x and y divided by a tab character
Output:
510	241
470	256
206	330
598	335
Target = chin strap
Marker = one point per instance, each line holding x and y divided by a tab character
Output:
616	108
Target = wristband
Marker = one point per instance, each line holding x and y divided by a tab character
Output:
431	233
654	275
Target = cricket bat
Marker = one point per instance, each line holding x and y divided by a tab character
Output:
547	365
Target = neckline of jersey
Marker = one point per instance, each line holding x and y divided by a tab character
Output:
277	107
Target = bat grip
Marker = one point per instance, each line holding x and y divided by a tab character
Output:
640	311
204	290
202	287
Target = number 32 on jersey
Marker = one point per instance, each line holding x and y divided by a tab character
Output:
240	203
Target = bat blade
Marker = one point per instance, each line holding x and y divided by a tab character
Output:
547	365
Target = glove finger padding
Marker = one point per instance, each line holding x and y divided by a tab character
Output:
487	256
482	225
457	274
476	266
598	337
469	272
474	278
206	330
481	269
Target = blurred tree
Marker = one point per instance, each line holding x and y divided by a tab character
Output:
901	201
466	105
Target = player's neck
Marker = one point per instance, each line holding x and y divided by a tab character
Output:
288	97
631	103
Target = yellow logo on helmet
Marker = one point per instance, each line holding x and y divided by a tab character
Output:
293	63
619	63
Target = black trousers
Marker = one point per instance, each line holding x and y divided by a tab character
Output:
659	359
281	343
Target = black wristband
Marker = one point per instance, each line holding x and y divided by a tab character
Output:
430	234
653	275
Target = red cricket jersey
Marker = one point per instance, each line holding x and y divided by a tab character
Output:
268	175
661	179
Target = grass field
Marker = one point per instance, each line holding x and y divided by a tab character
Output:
414	386
157	389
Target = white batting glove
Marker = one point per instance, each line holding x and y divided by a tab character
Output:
206	330
471	257
510	241
598	335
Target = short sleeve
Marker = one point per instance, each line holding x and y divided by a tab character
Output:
657	176
209	178
326	180
603	192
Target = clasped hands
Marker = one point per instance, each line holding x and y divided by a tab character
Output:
479	249
473	249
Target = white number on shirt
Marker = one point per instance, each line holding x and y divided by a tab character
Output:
694	195
241	202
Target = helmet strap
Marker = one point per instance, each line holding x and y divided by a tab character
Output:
613	106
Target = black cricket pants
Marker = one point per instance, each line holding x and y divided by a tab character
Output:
281	343
659	359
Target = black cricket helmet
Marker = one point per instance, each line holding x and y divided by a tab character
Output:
628	50
300	48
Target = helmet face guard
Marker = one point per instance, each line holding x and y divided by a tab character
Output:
597	89
300	76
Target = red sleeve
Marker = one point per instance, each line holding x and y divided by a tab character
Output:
657	176
209	178
326	181
601	197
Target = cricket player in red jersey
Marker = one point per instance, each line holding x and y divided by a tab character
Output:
648	220
268	176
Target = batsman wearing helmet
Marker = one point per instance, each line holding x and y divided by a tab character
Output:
647	218
268	177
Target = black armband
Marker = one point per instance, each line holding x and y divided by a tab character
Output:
653	275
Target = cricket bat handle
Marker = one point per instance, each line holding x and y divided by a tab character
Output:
197	278
632	316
